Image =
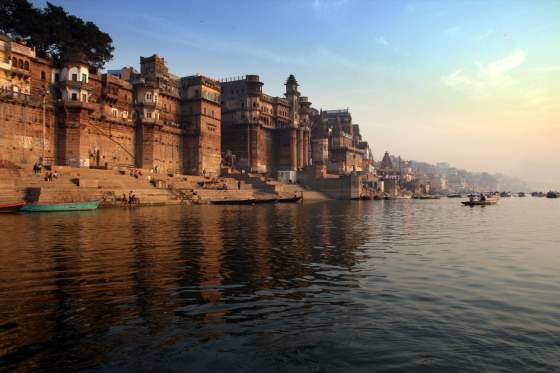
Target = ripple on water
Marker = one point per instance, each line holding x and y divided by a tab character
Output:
336	286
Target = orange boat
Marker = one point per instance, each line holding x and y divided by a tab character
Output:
11	207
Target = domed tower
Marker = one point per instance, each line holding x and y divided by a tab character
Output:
293	95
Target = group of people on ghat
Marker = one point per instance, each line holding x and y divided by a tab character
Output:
135	173
130	199
49	175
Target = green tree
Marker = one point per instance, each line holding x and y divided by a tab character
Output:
55	32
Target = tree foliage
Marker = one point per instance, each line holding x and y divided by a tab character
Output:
55	32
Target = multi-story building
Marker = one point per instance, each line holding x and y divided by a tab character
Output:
201	119
337	143
5	64
265	133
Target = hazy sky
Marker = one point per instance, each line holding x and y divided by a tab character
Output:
473	83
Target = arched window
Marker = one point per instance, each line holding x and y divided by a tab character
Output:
26	65
149	97
14	62
20	64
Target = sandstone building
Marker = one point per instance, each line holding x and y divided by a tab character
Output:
262	133
337	143
68	114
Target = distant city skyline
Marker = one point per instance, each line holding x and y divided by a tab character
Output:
474	84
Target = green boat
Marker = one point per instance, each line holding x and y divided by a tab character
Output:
75	206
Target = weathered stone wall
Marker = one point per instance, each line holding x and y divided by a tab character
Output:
234	138
21	132
110	144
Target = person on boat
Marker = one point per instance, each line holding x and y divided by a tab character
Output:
238	185
482	197
471	198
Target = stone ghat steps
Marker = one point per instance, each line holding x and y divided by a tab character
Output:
110	198
10	194
193	182
214	194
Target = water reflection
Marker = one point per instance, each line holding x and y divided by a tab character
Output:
161	287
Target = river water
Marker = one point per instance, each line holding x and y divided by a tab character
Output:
416	285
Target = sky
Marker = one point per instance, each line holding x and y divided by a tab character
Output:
472	83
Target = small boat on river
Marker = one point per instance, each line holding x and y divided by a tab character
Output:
458	195
11	207
487	202
60	207
290	199
552	194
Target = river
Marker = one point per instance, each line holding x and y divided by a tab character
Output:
415	285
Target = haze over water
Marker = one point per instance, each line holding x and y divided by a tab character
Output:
333	286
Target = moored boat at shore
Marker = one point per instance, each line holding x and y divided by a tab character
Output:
456	195
11	207
61	207
290	199
428	196
552	194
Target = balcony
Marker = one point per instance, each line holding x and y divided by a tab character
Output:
75	84
78	105
20	72
5	66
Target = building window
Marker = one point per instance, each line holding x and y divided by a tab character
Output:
125	114
14	62
56	77
74	97
148	114
74	77
196	93
149	96
43	75
84	78
114	113
84	97
26	65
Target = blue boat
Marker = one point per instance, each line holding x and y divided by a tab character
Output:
59	207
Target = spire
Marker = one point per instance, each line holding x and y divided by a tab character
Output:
292	85
386	163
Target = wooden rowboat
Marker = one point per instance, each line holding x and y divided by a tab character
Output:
58	207
289	199
249	201
11	207
488	202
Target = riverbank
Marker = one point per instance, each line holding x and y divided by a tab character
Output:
115	186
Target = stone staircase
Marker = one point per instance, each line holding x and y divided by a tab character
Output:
84	184
278	188
77	185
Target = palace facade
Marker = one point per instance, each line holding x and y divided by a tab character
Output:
67	113
262	133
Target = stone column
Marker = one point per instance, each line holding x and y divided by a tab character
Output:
300	148
293	149
253	143
305	148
